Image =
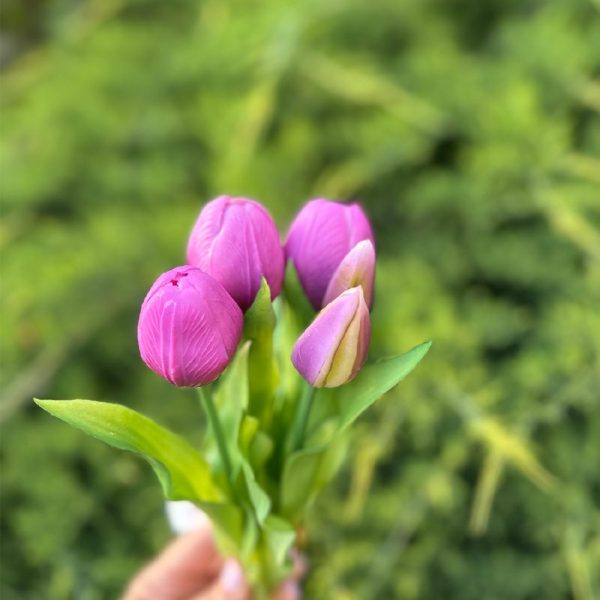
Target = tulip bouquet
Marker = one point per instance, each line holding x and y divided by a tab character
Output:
290	382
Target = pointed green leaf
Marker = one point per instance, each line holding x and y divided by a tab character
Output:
231	399
296	296
370	384
279	536
260	317
182	472
261	449
259	323
248	431
286	333
306	472
251	536
255	445
229	524
230	394
261	503
300	472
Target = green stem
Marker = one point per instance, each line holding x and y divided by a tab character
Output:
213	418
301	418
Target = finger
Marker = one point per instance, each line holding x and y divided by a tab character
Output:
299	565
184	516
188	565
289	590
231	585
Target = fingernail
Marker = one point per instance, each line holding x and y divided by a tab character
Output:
290	591
232	577
299	562
184	516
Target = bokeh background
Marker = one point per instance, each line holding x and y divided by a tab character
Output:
469	130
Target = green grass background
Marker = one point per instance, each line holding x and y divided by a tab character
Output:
470	131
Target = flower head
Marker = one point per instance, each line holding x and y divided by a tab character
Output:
236	241
356	268
189	327
319	239
334	346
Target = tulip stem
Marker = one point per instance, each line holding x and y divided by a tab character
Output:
301	418
213	418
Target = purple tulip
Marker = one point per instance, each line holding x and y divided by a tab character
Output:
236	241
189	327
322	234
334	346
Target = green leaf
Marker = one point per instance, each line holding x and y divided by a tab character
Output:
231	399
306	472
259	323
260	317
182	472
261	449
232	393
279	535
286	333
251	536
294	293
261	503
248	431
229	524
255	445
370	384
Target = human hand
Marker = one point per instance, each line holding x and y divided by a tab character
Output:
191	568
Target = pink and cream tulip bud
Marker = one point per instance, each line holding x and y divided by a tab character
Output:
357	268
334	347
236	241
320	239
189	327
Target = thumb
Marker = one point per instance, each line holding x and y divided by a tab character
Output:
231	585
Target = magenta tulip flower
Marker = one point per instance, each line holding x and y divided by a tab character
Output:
322	234
236	241
334	347
189	327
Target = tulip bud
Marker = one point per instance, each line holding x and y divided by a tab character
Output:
334	346
356	268
236	241
322	234
189	327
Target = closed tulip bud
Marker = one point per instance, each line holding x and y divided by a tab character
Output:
356	268
321	236
334	346
189	327
236	241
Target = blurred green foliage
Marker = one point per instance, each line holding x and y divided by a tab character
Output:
469	129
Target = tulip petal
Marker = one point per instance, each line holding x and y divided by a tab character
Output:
353	348
342	365
318	240
315	348
357	268
189	327
334	345
236	241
